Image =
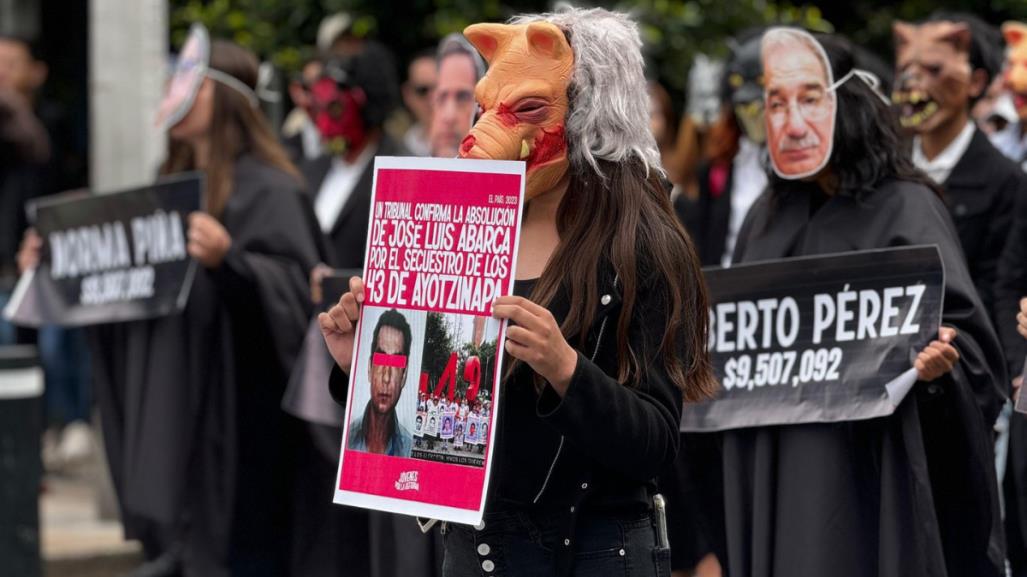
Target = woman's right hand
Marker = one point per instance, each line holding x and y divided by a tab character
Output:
28	253
338	325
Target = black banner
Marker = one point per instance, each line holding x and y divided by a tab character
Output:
110	257
818	339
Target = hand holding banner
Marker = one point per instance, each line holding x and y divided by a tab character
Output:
819	339
110	257
442	245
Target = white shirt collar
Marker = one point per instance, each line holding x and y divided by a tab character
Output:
941	167
748	181
338	186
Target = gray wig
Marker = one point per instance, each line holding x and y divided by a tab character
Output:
608	117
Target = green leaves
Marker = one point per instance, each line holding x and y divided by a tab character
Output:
673	30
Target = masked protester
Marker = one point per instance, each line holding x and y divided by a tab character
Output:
911	494
453	107
733	175
1009	293
683	156
609	307
417	97
195	438
943	66
299	134
349	105
1012	140
730	179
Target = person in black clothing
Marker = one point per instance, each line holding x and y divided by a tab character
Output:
911	494
943	66
608	331
44	163
349	104
197	445
299	134
734	173
24	152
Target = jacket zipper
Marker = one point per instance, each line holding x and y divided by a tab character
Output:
559	448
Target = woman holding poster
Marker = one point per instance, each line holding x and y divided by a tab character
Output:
190	402
908	495
608	319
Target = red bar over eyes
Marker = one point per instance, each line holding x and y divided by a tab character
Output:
387	360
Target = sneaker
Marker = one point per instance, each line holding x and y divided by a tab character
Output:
76	447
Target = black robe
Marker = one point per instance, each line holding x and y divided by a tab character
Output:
692	487
198	447
707	218
1010	288
909	495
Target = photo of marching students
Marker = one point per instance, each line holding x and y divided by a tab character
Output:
441	413
454	407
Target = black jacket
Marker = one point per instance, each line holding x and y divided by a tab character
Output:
600	446
706	218
1011	286
981	193
348	237
1012	282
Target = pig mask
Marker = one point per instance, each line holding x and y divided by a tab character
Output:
934	79
523	99
1015	34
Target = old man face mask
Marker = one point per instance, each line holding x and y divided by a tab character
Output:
933	73
523	99
800	103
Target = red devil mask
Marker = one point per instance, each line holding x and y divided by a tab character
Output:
337	112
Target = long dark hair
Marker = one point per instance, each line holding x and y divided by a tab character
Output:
626	220
237	127
868	148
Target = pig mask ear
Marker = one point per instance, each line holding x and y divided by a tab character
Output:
959	36
546	39
902	33
1014	32
487	38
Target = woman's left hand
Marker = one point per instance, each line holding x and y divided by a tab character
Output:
537	340
939	357
209	241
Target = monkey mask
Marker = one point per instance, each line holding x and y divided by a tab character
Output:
523	99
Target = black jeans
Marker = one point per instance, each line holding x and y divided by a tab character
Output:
513	544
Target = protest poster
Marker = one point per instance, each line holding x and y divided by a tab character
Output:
110	257
818	339
442	244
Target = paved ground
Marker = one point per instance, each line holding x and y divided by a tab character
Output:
76	539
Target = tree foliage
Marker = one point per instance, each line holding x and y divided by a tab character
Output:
674	30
